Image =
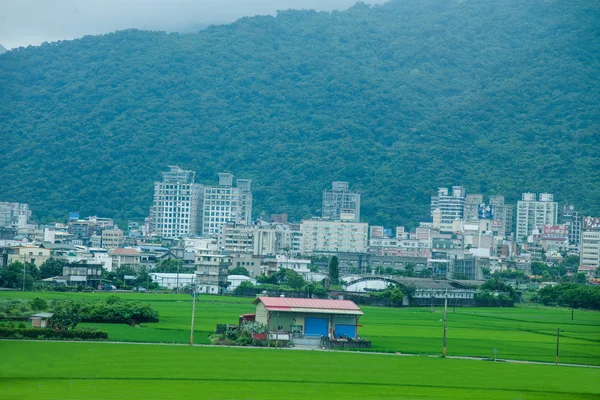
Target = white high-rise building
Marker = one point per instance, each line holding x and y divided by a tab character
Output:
14	214
225	203
176	204
326	236
534	214
590	246
340	203
451	205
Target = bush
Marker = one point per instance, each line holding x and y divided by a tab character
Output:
38	304
48	333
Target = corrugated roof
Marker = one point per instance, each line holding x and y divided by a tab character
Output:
125	252
291	304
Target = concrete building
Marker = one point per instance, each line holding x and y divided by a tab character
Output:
212	272
590	246
324	236
122	257
340	203
112	238
534	214
176	204
225	203
471	206
450	205
573	219
14	215
503	215
236	238
251	262
29	254
233	281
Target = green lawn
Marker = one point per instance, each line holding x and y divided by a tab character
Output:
517	333
72	370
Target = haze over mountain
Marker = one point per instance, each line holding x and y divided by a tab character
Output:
502	97
32	22
2	49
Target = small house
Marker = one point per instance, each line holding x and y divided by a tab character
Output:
40	320
308	317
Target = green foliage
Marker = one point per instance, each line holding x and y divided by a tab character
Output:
495	285
52	267
52	334
38	304
468	82
169	266
571	295
334	270
239	271
13	277
393	296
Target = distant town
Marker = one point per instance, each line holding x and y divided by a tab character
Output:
210	230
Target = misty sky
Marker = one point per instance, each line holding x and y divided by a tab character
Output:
32	22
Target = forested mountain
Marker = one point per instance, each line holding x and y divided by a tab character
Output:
501	96
2	49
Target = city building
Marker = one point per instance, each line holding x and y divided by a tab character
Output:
211	273
590	246
503	215
225	203
572	218
122	257
447	207
173	280
176	204
341	203
326	236
14	214
471	207
534	214
111	238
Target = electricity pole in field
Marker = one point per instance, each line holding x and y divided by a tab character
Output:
557	341
193	316
445	322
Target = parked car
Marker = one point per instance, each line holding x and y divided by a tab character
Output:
140	289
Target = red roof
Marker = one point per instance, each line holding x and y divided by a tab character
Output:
288	303
126	252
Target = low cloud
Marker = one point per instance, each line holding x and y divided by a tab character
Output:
32	22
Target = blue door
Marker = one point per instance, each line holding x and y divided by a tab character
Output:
348	330
316	326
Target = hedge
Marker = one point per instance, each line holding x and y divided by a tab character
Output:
51	334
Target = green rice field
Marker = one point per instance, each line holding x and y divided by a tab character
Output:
521	333
71	370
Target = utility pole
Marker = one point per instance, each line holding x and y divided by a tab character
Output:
24	269
557	341
445	322
193	316
572	312
178	278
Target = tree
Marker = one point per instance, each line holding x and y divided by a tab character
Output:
294	279
52	267
12	276
581	278
38	304
334	271
170	265
239	271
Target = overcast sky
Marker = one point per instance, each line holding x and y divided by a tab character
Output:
32	22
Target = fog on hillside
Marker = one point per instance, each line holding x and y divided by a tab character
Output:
32	22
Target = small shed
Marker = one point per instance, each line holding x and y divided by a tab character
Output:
309	317
40	320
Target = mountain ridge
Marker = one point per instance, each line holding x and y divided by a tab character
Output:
398	99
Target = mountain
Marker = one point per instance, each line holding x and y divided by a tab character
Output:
2	49
500	96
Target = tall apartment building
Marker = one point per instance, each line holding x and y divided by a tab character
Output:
326	236
471	207
340	202
572	218
14	214
534	214
503	214
176	204
225	203
590	245
451	205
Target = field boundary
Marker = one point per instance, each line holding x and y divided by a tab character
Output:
472	358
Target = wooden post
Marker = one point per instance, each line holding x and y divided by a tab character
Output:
557	342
